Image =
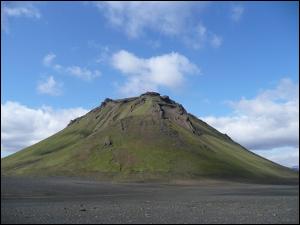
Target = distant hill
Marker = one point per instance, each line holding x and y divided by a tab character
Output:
144	137
295	168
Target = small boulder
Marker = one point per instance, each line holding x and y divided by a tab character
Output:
107	141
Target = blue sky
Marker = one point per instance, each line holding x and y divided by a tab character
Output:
233	64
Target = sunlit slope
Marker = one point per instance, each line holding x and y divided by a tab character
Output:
149	136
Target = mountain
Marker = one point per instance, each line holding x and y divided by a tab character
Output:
145	137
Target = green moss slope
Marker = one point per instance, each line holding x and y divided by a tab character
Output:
144	137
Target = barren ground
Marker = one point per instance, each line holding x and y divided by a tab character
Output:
74	200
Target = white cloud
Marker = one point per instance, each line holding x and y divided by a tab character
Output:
20	9
82	73
50	87
28	11
216	41
135	17
76	71
142	75
22	126
287	156
237	13
154	44
17	10
268	121
138	18
96	45
103	51
199	37
48	59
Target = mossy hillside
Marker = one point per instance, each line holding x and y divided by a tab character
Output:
126	138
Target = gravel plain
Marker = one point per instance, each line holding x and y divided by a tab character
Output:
74	200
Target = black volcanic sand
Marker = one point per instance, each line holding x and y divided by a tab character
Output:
70	200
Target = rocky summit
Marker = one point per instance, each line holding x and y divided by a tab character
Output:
145	137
